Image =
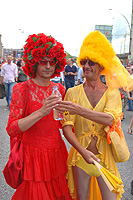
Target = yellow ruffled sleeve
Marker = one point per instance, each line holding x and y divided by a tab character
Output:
113	104
70	119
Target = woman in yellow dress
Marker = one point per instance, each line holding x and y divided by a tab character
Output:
92	107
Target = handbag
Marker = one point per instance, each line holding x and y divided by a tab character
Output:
116	140
2	91
13	171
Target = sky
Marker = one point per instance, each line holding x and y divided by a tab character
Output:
67	21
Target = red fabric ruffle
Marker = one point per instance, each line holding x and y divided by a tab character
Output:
44	164
56	189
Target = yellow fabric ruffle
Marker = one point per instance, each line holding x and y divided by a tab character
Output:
117	76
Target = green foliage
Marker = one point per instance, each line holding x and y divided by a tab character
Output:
68	55
34	39
30	57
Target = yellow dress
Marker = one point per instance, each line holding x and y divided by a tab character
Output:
109	103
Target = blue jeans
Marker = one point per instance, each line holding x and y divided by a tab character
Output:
8	90
130	103
69	83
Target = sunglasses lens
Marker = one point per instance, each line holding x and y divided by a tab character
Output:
43	62
52	62
83	62
91	63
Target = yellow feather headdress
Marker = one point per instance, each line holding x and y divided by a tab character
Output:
98	49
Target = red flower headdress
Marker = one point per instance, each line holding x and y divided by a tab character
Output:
39	46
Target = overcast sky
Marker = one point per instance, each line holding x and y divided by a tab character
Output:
68	21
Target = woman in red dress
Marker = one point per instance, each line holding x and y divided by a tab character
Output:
45	154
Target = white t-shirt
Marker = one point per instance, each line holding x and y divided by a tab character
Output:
9	71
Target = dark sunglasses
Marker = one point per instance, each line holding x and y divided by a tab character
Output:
90	63
51	62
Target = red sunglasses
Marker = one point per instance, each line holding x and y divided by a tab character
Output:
90	63
51	62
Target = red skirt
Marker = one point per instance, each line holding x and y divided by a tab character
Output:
44	174
54	190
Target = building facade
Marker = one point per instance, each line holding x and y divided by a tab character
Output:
16	53
106	30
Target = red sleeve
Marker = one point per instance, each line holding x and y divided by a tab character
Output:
16	109
62	90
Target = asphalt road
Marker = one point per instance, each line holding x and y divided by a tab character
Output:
125	168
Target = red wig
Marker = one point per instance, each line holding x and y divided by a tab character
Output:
39	46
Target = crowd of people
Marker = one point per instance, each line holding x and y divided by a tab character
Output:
91	102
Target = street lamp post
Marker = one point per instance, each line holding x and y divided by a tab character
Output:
130	29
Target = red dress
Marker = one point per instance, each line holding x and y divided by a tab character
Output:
45	153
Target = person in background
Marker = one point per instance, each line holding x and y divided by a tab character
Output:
15	60
131	72
122	62
80	76
70	73
0	63
45	153
62	77
56	79
76	77
130	66
9	75
130	103
21	75
3	61
130	96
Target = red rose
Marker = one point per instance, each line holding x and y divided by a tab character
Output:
31	71
41	35
29	44
58	70
60	55
60	45
62	63
25	57
25	54
40	42
36	54
50	39
25	68
52	52
30	49
30	37
44	52
31	62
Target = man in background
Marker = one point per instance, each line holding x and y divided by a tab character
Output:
9	74
70	73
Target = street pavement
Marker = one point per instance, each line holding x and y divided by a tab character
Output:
125	168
